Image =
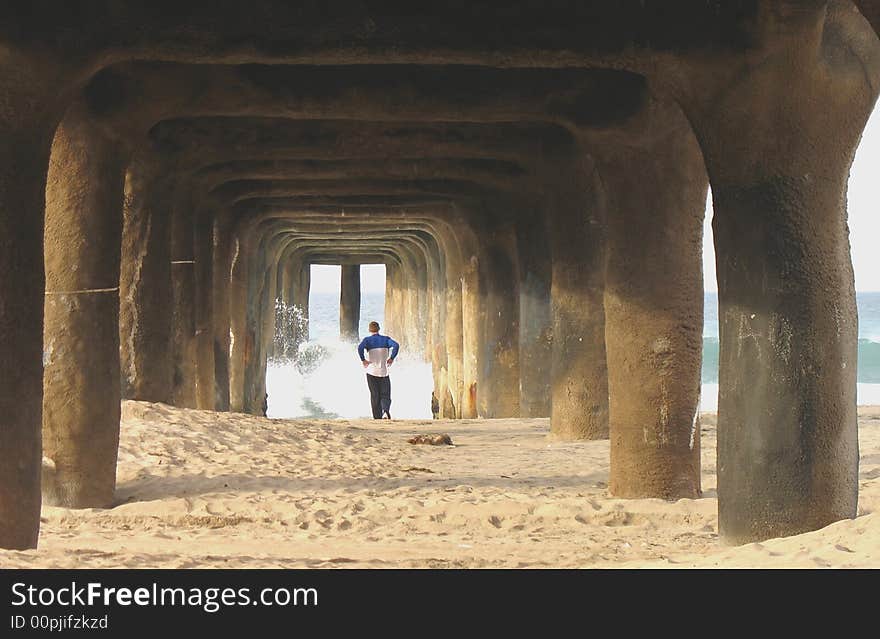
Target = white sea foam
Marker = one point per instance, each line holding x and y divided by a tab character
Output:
867	395
330	382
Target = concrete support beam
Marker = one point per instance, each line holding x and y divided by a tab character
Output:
578	362
535	317
204	312
225	248
498	361
654	312
787	425
146	292
81	381
27	124
349	302
183	281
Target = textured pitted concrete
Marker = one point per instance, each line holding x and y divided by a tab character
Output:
522	179
787	445
654	313
579	379
81	377
184	351
145	288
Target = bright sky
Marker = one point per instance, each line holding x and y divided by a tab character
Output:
863	197
325	278
864	227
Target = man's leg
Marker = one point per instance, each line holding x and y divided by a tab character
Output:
385	396
373	384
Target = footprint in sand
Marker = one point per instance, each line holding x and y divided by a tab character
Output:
619	518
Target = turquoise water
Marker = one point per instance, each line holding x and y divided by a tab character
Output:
333	385
325	326
324	314
869	338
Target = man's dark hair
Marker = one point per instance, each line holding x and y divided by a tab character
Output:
374	327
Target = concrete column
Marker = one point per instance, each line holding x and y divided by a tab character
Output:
450	403
284	341
431	312
26	128
395	320
260	312
350	302
81	385
410	333
241	340
455	240
224	247
470	335
287	274
269	263
419	304
437	335
301	286
145	289
183	282
579	378
246	311
535	317
265	306
204	312
787	425
255	303
498	358
283	346
654	312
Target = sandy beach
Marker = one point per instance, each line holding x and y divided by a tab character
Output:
203	489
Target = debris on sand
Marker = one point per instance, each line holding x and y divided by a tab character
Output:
440	439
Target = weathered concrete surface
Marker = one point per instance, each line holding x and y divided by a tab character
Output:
579	378
654	309
81	383
204	312
499	370
184	353
32	107
787	435
535	317
349	302
447	150
145	290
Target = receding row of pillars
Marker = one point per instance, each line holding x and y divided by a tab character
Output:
604	337
509	330
575	292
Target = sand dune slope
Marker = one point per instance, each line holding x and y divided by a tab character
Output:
203	489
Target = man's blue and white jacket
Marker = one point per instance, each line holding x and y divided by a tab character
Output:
380	348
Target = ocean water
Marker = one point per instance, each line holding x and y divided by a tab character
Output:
868	377
328	381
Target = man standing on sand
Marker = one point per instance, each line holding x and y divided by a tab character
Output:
381	351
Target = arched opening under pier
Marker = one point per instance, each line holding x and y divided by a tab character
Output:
322	378
536	197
